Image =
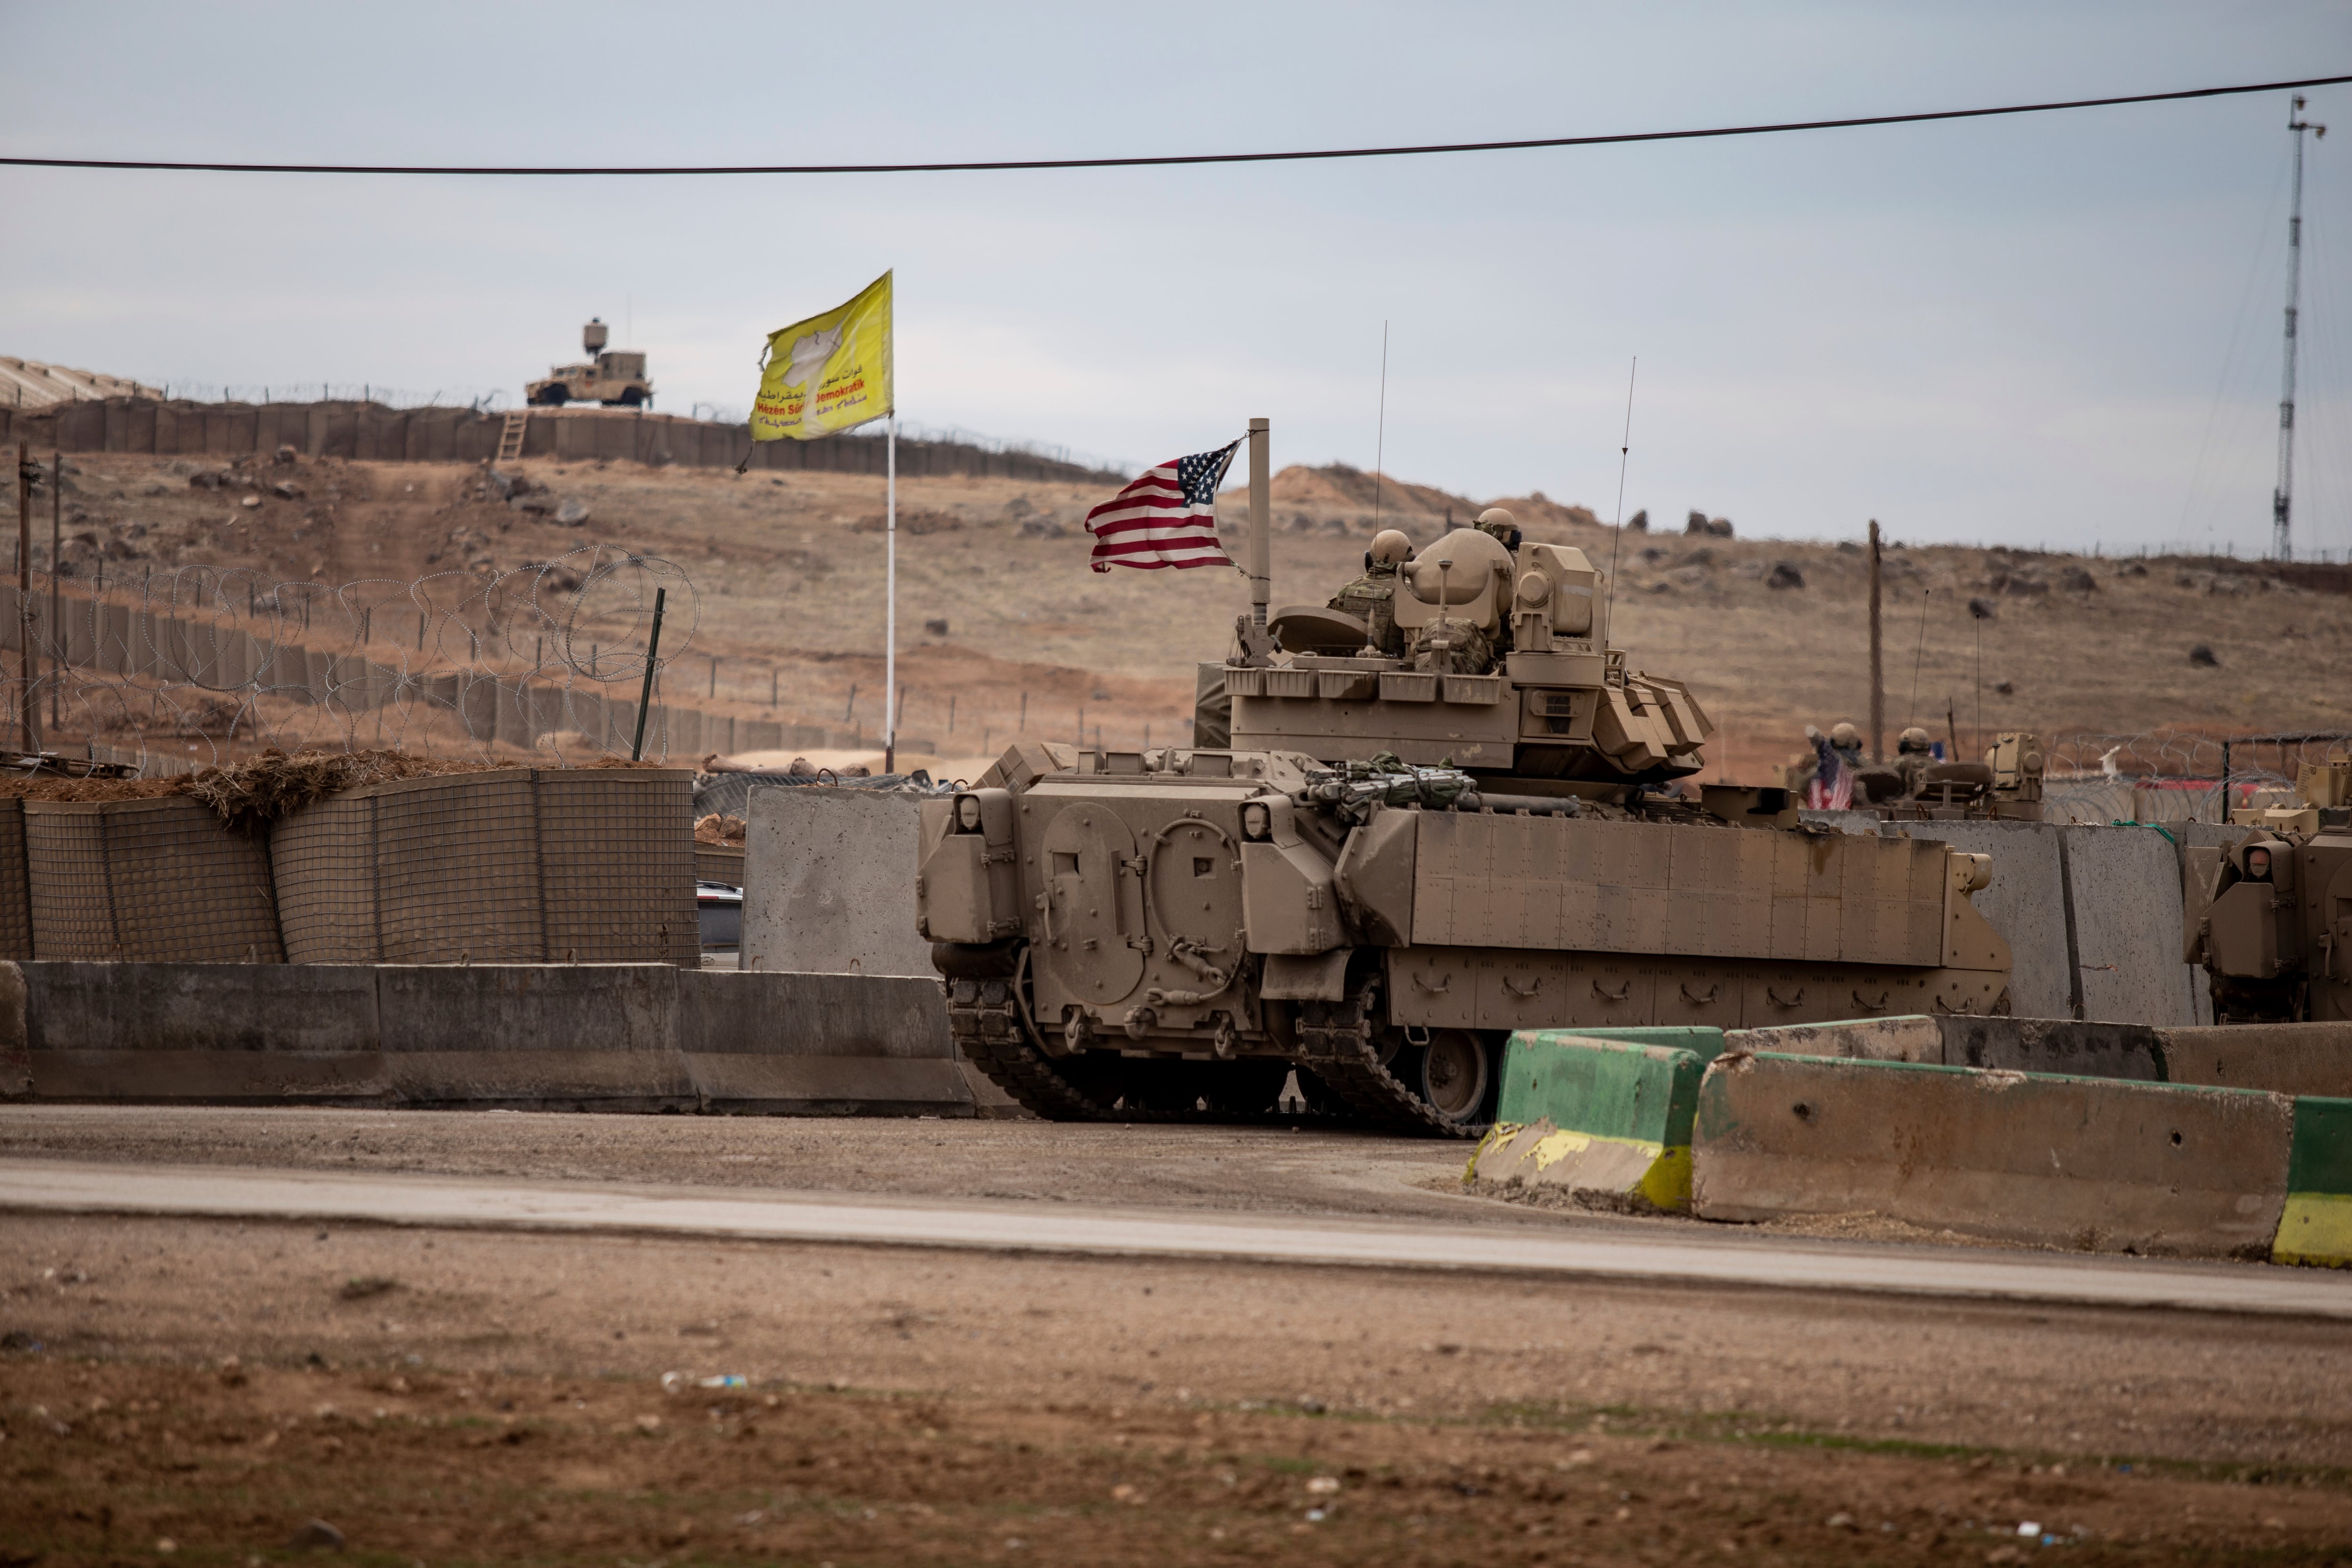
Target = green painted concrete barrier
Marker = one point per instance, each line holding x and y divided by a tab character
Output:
1703	1039
1600	1115
2317	1226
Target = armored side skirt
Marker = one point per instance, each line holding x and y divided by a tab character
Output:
1514	988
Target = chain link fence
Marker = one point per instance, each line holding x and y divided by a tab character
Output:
187	667
183	669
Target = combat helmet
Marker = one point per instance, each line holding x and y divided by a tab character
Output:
1501	525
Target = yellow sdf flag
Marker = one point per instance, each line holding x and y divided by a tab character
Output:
828	374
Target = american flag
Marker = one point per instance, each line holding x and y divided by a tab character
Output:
1167	518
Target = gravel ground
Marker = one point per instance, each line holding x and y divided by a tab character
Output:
456	1395
470	1396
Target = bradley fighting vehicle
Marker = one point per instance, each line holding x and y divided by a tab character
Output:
1399	858
2275	936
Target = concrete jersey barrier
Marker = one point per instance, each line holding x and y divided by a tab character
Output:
2290	1059
829	888
2125	925
829	882
646	1036
2092	915
2025	902
2015	1044
1601	1116
2284	1058
2087	1164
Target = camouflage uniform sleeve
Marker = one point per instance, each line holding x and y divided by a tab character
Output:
1212	710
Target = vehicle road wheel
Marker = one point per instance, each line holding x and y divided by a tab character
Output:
1456	1077
553	397
632	396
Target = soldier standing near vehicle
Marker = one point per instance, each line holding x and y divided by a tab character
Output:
1837	757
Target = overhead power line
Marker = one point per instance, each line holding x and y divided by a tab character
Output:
1163	160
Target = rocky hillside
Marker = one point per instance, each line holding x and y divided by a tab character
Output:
1004	628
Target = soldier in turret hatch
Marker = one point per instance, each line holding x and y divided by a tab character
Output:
1915	753
1502	525
1371	598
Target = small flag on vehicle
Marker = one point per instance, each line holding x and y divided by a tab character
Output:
1167	518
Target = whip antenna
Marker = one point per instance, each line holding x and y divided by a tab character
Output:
1625	450
1380	440
1912	713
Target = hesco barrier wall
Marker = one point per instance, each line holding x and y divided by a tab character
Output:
375	433
512	866
15	889
541	1037
147	880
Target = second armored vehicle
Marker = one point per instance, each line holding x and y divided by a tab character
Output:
1399	860
2275	935
616	377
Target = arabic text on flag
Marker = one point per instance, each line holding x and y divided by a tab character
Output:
829	373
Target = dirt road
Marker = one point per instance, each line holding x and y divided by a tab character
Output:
463	1395
1705	1256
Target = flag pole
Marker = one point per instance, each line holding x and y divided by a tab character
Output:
1261	572
890	596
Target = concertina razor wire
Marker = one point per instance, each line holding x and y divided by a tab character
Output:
2175	774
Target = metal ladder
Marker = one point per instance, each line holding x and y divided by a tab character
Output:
510	437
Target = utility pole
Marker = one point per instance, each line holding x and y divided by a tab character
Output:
2282	497
1877	682
27	474
56	547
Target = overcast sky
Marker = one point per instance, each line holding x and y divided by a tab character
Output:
2057	328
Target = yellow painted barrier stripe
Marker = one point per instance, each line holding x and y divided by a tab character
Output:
1497	1136
1666	1183
1550	1151
2315	1229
